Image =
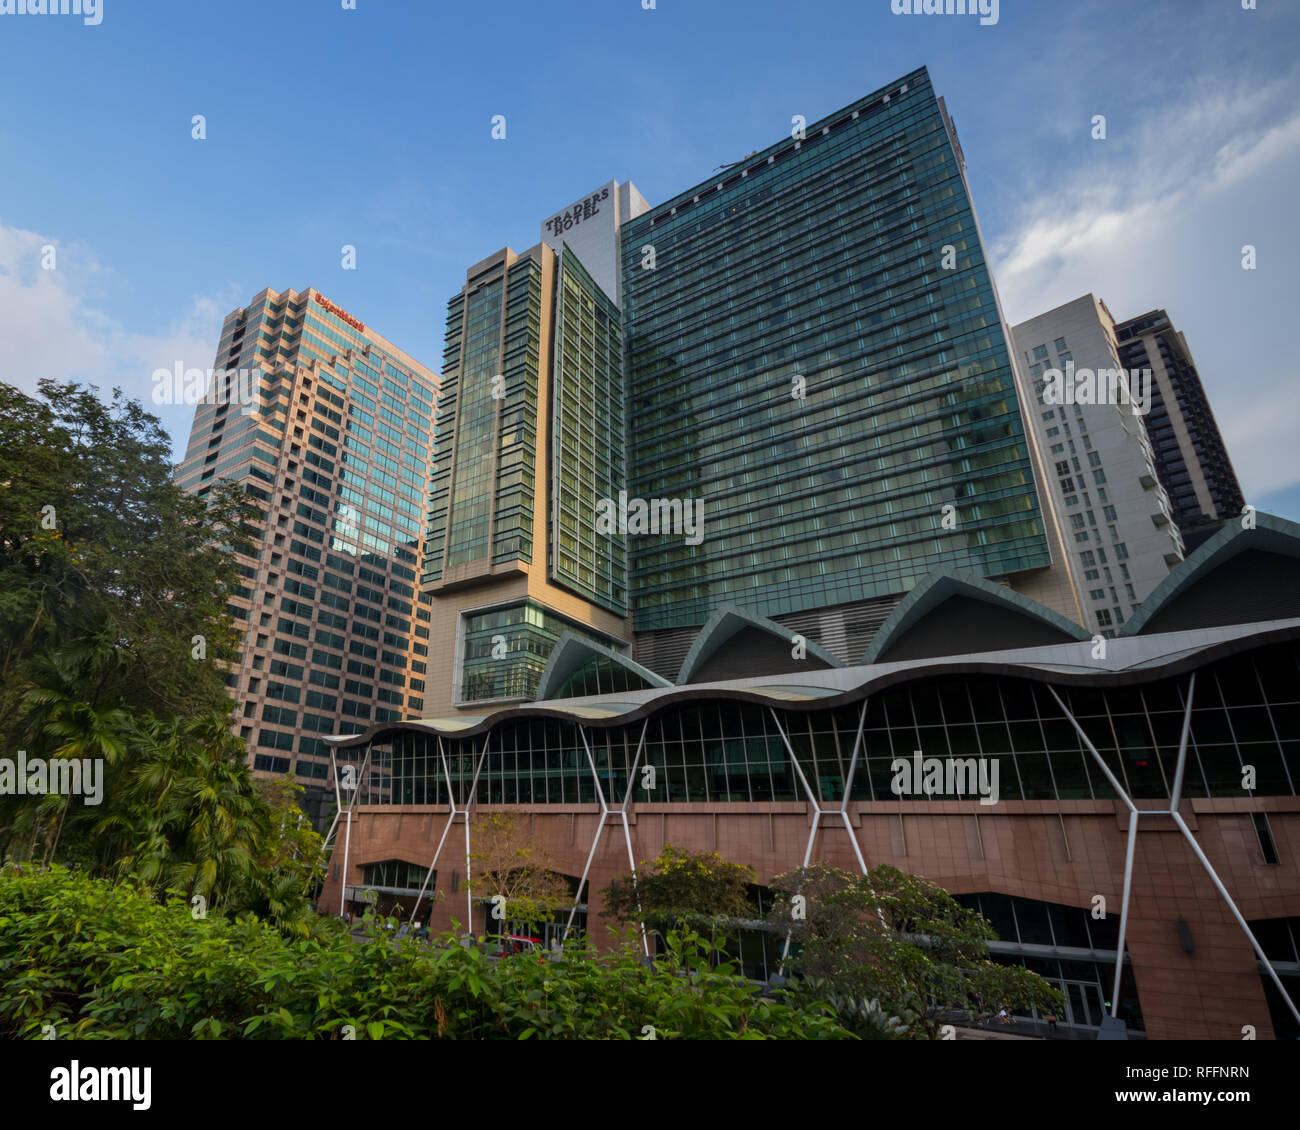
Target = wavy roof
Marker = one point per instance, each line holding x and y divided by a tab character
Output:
1137	659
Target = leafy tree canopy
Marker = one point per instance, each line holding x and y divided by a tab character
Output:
113	623
699	889
898	940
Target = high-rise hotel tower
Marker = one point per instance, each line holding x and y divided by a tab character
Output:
532	438
335	451
818	353
806	354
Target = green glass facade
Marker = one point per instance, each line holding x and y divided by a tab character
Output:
504	649
587	437
720	750
474	464
819	270
483	485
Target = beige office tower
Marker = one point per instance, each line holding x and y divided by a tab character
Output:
531	443
1087	415
330	429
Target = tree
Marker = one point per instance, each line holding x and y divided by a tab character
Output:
507	863
113	629
101	554
898	940
700	890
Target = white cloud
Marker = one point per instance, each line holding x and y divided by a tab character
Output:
53	325
1159	221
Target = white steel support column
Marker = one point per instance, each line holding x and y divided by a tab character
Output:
1172	811
627	832
1130	849
817	817
469	802
848	788
454	811
338	801
600	829
451	816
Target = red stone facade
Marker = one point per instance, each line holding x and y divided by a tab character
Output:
1063	852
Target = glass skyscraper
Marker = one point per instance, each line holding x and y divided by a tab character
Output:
533	440
807	350
814	349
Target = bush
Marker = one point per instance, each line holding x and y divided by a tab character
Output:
103	960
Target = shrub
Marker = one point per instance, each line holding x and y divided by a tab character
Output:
103	960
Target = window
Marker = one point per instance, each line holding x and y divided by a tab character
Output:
1265	835
1103	618
1121	552
1097	594
1060	344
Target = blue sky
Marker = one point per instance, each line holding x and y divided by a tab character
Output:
372	127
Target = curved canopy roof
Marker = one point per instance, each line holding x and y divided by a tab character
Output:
1137	659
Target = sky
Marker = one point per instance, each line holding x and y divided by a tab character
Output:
371	126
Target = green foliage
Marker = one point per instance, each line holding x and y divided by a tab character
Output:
113	588
898	940
507	861
105	561
700	890
864	1018
103	960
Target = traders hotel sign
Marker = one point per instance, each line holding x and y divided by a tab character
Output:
583	210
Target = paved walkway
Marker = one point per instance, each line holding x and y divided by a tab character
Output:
991	1034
